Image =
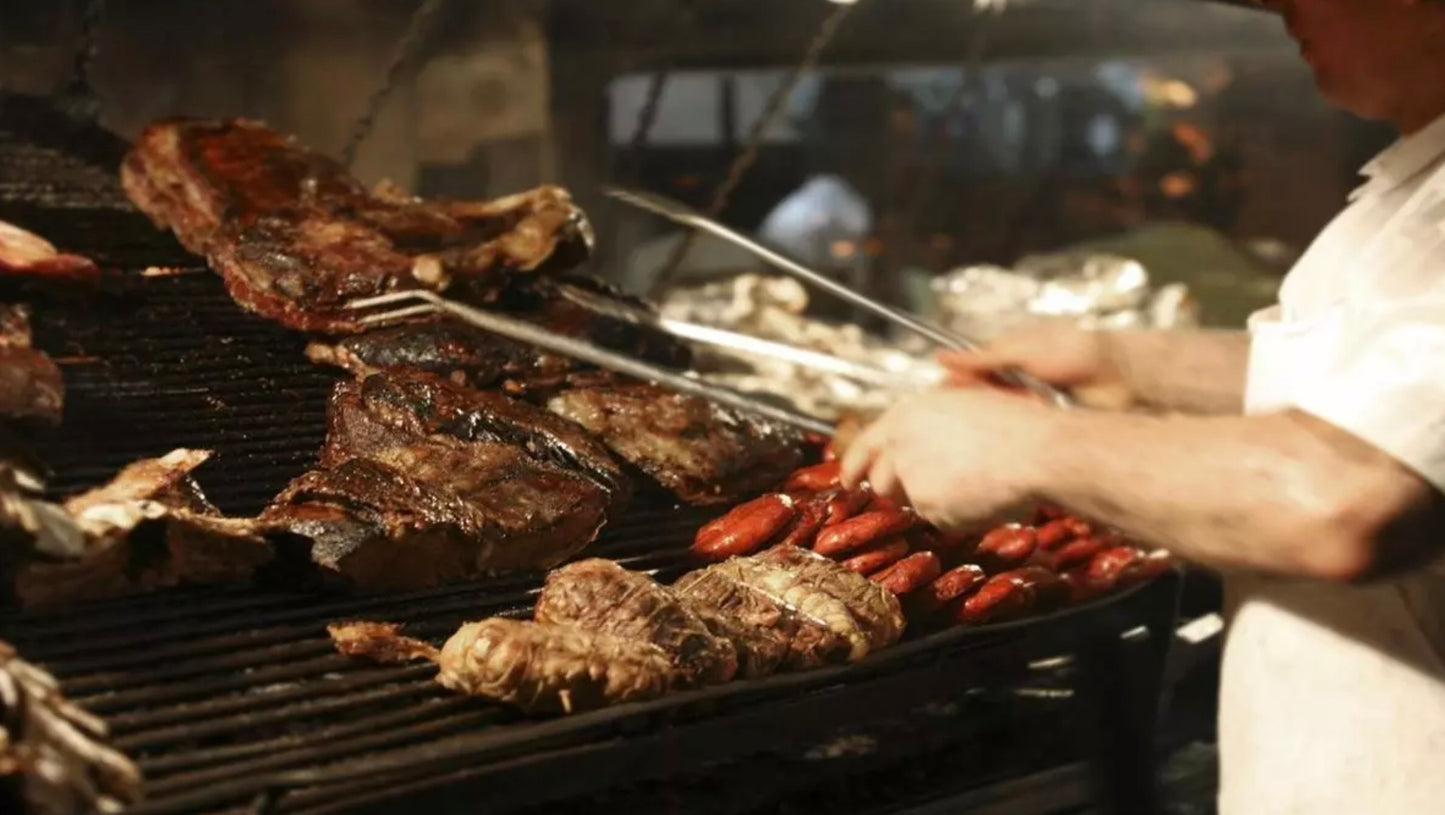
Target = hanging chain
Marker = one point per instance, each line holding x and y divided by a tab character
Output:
656	84
753	147
402	57
76	92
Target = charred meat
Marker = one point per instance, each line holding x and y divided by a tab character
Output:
369	416
700	452
295	236
600	596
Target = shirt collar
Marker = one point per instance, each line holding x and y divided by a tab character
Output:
1403	160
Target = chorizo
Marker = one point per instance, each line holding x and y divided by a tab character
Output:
910	574
949	587
804	528
844	504
816	478
861	530
1078	553
1007	547
1124	566
1055	533
878	556
747	528
1000	598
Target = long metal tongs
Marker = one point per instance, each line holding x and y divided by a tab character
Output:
684	215
428	302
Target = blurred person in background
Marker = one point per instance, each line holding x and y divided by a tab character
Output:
1303	459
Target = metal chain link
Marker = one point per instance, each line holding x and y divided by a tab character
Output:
657	83
745	160
75	92
417	28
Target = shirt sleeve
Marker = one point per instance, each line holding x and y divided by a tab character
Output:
1386	381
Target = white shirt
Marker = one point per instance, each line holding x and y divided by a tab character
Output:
1332	697
807	223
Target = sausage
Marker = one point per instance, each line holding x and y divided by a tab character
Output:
1048	588
1000	598
804	528
746	528
881	504
1079	588
861	530
878	556
910	574
1124	566
844	504
1007	547
949	586
1047	512
816	478
1080	527
1055	533
1078	553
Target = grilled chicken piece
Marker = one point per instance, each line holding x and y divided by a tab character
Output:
30	384
295	236
702	453
876	610
394	409
745	604
25	253
600	596
150	528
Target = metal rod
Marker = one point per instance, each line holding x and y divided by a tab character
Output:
682	214
587	352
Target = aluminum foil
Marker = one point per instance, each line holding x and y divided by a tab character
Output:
1091	290
773	308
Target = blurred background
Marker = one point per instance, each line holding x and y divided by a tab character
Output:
934	134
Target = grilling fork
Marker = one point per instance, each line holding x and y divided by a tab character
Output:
684	215
415	303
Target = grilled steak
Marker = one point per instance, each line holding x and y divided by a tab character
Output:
768	632
30	384
700	452
876	610
369	416
149	528
600	596
295	236
433	513
552	668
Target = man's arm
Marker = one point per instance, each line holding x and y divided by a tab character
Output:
1285	493
1200	372
1166	371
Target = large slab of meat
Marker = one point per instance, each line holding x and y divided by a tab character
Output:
604	635
296	237
423	482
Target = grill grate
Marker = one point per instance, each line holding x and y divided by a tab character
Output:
232	700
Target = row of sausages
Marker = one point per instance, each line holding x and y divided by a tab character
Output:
1013	571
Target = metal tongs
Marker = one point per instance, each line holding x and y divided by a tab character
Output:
680	213
428	302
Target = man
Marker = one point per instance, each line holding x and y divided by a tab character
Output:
1321	503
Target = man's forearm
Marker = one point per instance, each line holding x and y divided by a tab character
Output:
1281	493
1186	371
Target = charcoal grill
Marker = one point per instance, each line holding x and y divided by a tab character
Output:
232	700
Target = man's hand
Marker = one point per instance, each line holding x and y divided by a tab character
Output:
963	457
1062	355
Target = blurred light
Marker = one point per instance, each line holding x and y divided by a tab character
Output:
1046	87
873	247
843	249
1179	94
1178	185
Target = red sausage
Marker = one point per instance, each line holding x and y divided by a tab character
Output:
878	556
804	528
1007	547
1000	598
910	574
861	530
950	586
1078	553
1055	533
746	528
844	504
816	478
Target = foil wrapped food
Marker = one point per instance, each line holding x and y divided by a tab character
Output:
1090	290
773	308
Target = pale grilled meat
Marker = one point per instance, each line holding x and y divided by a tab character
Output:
700	452
876	610
30	383
600	596
295	236
367	416
769	633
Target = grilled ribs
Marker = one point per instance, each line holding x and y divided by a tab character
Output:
295	236
699	452
600	596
